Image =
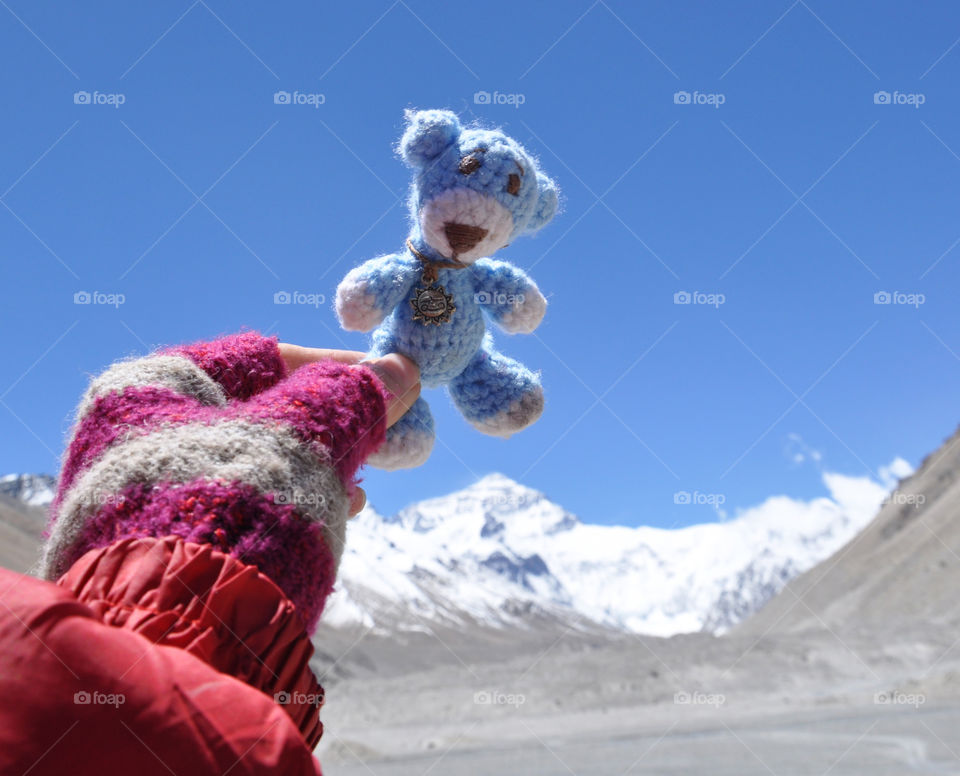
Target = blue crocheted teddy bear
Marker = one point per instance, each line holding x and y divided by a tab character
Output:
474	191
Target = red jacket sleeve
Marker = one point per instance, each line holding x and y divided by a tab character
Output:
82	697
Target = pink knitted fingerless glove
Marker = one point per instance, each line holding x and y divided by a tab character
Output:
216	444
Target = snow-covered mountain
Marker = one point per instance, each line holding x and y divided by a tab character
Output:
498	554
37	490
502	554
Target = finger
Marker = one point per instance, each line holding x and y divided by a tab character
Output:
401	377
295	356
357	501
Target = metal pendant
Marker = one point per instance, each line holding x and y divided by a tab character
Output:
432	305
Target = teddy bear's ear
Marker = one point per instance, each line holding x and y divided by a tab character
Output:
547	201
429	133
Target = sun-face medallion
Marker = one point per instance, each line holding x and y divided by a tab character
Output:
432	305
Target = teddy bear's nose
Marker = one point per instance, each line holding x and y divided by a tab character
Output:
463	237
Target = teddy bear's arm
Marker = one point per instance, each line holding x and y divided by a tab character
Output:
369	292
509	295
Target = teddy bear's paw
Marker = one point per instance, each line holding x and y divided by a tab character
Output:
524	317
407	453
357	310
403	452
519	414
409	441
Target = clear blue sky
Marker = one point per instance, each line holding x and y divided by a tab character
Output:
645	397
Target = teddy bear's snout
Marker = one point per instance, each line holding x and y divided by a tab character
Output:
463	237
463	224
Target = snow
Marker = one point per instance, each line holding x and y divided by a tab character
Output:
472	554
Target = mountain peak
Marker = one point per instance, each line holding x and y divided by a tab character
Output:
481	509
498	490
497	480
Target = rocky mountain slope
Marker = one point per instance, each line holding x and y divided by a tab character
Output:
35	490
902	571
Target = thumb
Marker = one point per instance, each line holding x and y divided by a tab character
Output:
401	378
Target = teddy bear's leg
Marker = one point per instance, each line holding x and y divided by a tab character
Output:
499	396
409	441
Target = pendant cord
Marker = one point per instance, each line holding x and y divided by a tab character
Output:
428	262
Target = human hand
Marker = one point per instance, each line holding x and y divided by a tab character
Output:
399	375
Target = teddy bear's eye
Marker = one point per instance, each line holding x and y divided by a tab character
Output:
513	184
469	164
